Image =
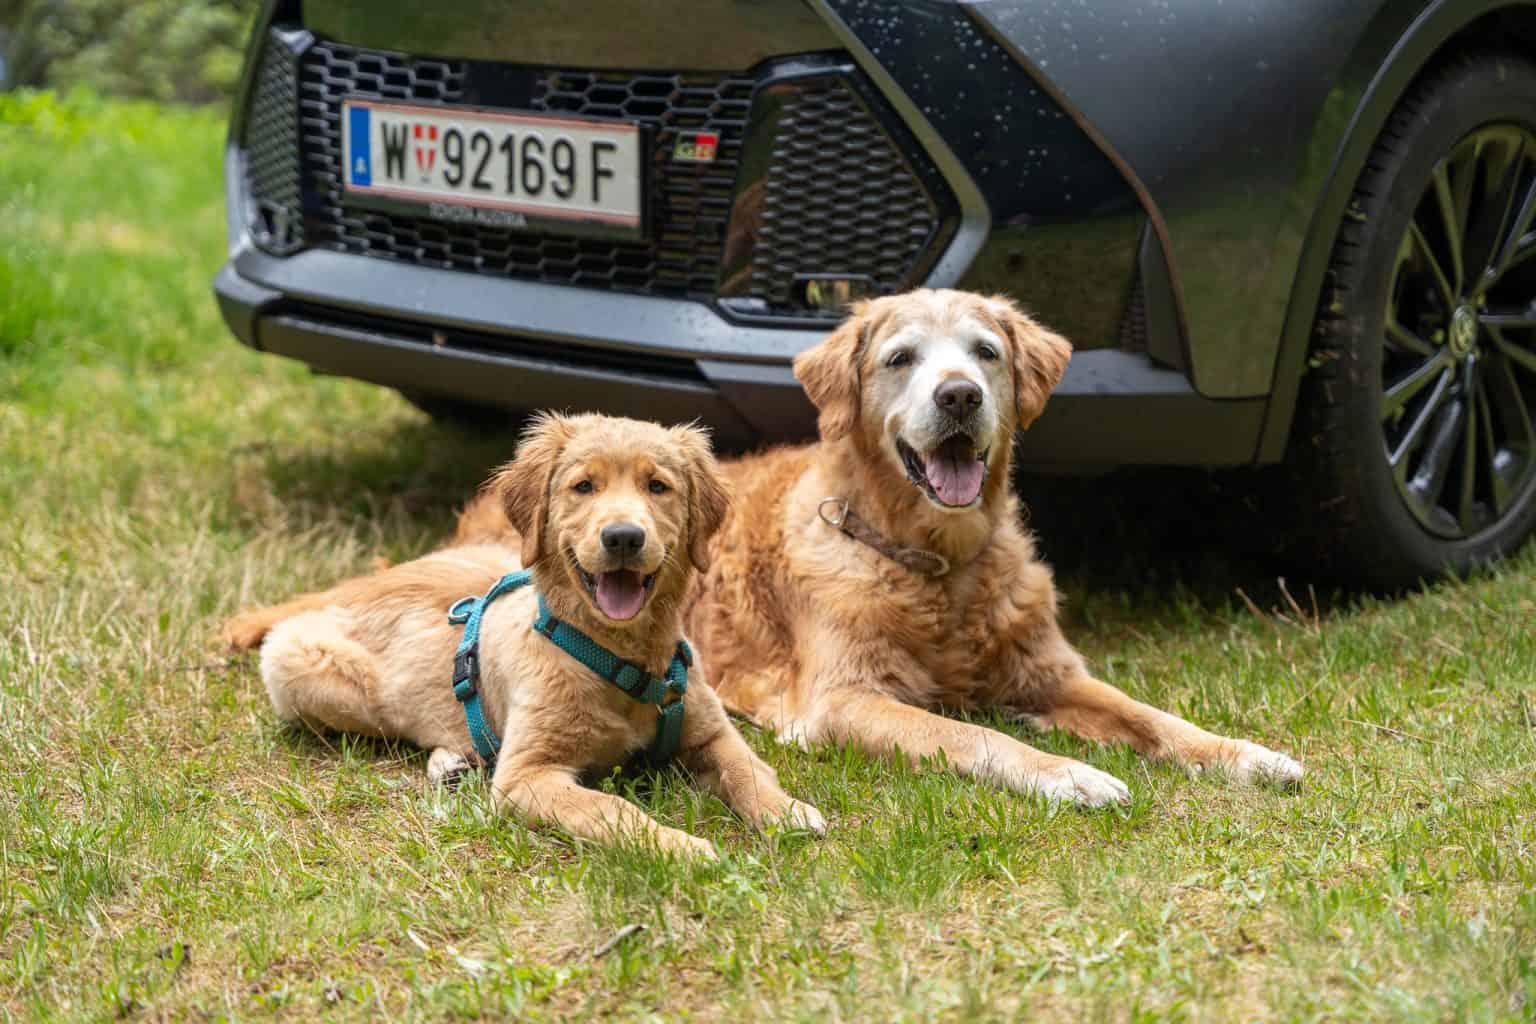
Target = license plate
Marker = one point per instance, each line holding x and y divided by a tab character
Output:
499	169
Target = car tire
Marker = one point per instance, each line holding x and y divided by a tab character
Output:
1414	447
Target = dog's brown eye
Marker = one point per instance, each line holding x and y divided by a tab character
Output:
583	487
657	487
986	352
897	360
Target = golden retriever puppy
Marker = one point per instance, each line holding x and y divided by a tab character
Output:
612	517
863	582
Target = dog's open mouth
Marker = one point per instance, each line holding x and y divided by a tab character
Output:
952	474
618	593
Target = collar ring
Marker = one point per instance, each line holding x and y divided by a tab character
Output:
841	515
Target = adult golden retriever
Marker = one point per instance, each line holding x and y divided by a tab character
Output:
866	581
613	518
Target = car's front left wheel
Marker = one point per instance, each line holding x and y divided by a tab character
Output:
1415	442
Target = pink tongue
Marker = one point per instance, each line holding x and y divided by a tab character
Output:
954	472
620	594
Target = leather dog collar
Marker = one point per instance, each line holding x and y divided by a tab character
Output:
918	560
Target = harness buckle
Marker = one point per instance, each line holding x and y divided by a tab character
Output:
841	516
466	674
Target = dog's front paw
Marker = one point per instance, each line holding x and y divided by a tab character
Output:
1083	785
685	846
1078	783
802	815
778	808
1252	764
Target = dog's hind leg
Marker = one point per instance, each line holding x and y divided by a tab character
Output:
319	676
445	766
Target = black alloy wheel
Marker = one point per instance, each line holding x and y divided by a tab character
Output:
1414	448
1458	374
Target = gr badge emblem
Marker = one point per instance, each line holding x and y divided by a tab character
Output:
695	148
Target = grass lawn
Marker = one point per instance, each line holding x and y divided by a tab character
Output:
169	850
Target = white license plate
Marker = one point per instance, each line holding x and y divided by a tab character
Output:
492	167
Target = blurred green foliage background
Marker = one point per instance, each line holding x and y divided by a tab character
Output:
184	51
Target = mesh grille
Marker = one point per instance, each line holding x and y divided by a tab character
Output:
835	193
272	151
690	203
840	200
1133	321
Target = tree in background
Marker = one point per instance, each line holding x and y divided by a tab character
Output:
181	50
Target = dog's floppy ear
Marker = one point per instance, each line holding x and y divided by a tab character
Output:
829	372
708	494
522	485
1039	357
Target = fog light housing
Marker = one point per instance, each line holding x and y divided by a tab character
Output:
832	293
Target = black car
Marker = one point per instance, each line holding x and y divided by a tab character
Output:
1285	232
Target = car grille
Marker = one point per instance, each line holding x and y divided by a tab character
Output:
1133	319
691	205
272	148
837	196
841	201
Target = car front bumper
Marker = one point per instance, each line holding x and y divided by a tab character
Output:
437	332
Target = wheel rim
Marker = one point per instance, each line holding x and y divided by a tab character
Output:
1458	373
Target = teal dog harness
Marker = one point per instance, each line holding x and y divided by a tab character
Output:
633	680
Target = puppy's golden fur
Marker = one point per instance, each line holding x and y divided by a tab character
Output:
374	655
820	637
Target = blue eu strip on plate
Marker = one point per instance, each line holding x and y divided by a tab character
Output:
361	138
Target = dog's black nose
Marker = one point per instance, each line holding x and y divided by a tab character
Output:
958	397
623	539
